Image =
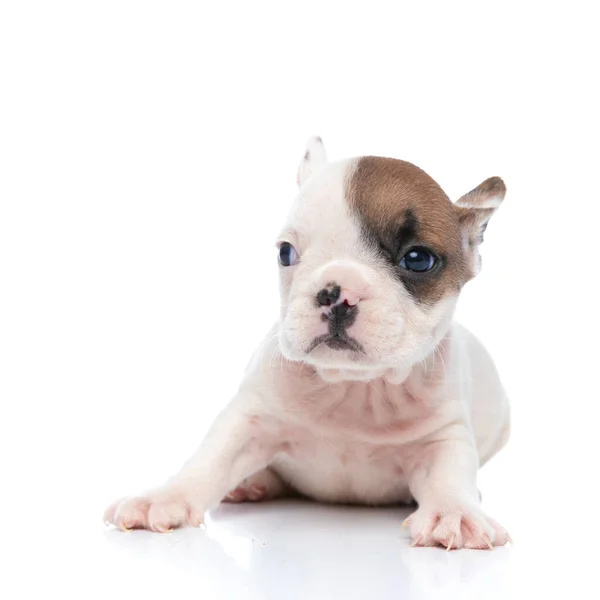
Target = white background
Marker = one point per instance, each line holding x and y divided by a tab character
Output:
148	153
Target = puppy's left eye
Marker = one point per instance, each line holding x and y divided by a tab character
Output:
287	254
418	260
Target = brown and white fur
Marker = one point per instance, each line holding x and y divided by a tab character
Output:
406	407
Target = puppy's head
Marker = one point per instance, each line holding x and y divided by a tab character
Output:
372	259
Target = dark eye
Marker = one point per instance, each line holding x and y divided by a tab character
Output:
287	254
418	260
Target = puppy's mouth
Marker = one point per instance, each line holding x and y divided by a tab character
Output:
336	341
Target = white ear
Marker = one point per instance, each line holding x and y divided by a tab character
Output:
314	159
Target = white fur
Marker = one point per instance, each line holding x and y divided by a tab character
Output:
412	418
313	160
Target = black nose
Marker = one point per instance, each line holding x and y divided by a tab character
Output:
329	295
340	317
341	312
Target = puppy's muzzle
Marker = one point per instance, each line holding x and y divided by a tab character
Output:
342	309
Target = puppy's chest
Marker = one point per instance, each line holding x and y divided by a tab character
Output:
344	442
353	412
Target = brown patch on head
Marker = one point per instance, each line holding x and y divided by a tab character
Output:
400	207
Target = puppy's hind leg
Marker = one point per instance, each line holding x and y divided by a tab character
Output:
263	485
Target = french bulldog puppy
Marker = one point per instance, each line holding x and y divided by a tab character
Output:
365	391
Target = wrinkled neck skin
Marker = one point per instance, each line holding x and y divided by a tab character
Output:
393	375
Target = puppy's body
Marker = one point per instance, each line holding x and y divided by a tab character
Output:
348	441
365	391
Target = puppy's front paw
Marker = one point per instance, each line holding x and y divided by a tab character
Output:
161	512
456	526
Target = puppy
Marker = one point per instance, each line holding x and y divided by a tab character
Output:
365	391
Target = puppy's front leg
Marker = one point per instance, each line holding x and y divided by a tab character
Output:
441	474
234	448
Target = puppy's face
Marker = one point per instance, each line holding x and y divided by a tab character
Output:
372	260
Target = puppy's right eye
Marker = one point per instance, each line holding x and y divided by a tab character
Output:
287	254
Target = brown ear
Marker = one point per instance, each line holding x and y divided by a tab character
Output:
474	210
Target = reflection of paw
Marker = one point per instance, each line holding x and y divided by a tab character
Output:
462	526
264	485
159	512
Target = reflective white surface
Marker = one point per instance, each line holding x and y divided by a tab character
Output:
295	550
300	550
